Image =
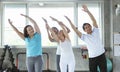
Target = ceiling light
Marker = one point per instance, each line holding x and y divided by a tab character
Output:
41	4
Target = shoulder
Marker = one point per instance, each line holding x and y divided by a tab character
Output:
36	33
83	35
95	29
26	39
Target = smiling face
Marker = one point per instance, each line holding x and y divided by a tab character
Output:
30	31
87	28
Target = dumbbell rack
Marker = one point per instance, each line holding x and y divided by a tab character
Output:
13	68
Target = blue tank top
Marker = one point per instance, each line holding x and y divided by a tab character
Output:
33	45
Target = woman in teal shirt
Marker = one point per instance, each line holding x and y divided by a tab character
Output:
32	40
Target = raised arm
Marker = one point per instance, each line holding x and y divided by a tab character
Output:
33	22
16	30
85	9
53	33
64	30
49	36
73	27
54	19
62	26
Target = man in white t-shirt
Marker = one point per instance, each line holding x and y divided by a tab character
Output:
95	48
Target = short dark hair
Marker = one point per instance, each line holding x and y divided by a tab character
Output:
25	30
85	25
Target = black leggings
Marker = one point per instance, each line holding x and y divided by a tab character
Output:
98	61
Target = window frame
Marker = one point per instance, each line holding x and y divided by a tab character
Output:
75	20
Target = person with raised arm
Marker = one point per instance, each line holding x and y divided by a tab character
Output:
50	36
95	47
32	38
67	58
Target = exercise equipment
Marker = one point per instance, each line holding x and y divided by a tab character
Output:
5	67
47	61
109	65
85	56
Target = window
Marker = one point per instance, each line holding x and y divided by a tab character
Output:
46	9
13	11
57	10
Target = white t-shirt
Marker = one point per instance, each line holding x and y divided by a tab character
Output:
58	52
94	44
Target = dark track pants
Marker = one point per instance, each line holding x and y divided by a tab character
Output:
98	61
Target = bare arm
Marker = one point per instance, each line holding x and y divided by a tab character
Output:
16	30
49	36
68	30
33	22
73	27
53	33
64	30
85	9
62	26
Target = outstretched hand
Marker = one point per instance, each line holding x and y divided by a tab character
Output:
44	20
10	22
53	18
68	19
47	26
23	15
85	8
